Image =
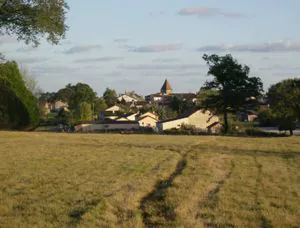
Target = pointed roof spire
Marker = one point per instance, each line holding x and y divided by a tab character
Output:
166	86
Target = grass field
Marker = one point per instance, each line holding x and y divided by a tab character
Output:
69	180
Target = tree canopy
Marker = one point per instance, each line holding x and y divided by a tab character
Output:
76	94
233	89
181	105
31	83
100	105
110	97
18	107
29	20
85	111
284	100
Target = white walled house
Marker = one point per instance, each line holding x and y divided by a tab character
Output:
147	121
107	126
113	109
202	120
126	98
151	114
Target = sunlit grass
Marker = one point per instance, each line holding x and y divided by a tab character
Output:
90	180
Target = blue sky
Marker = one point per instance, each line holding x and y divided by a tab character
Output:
135	45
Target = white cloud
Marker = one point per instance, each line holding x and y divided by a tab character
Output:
207	11
157	48
100	59
82	48
279	46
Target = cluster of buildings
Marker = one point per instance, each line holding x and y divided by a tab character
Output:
122	117
198	119
114	118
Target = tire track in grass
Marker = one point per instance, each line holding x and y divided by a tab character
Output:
212	201
265	223
156	211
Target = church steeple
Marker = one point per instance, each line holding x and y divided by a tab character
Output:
166	89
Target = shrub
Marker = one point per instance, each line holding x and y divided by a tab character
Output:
259	133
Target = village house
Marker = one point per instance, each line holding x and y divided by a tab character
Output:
127	99
54	106
130	121
132	99
113	109
151	114
147	121
200	119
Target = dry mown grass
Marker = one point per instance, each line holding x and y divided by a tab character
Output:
61	180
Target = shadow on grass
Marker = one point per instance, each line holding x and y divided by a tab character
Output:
212	201
77	213
265	223
156	211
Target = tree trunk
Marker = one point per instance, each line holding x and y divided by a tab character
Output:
291	132
225	122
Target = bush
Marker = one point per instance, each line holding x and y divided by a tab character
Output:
266	119
186	130
259	133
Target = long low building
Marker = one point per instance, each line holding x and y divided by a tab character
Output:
107	126
200	119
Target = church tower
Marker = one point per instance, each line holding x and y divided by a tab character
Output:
166	89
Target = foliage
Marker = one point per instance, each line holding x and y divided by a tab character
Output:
284	102
31	83
47	97
29	20
100	105
110	97
266	118
204	94
85	111
18	107
235	125
2	58
43	112
259	133
164	112
287	124
235	90
69	118
76	94
180	105
186	129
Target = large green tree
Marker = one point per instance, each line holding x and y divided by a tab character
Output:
284	100
233	89
18	106
110	97
29	20
76	94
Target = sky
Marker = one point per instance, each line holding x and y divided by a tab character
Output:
135	45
